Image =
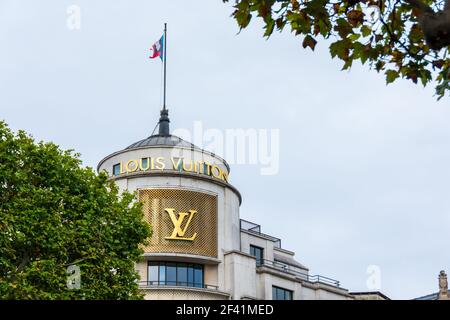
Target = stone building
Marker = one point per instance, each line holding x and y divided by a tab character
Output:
200	247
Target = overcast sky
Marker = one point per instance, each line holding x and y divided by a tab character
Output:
364	167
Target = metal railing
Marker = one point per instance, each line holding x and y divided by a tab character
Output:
256	229
302	275
146	284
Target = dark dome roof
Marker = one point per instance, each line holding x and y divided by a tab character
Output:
163	140
171	141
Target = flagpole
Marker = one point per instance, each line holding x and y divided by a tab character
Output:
165	51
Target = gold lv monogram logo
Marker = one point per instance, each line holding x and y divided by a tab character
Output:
178	231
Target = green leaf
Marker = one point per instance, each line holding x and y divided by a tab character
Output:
366	31
243	18
269	28
343	28
391	75
354	37
309	42
340	49
425	76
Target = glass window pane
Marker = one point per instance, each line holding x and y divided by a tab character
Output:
288	295
190	275
258	253
281	294
144	164
153	274
116	169
162	274
182	274
198	276
175	274
171	274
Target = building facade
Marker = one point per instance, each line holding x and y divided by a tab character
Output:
200	247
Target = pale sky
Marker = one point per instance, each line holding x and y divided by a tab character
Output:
364	167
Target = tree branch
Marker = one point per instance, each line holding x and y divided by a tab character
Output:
78	261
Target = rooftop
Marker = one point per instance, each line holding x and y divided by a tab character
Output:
163	140
432	296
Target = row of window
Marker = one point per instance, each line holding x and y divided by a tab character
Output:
191	275
175	274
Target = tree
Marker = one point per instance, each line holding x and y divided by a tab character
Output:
402	38
57	216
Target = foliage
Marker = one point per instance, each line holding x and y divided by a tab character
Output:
55	213
393	44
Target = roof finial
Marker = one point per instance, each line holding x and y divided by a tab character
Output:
164	121
443	286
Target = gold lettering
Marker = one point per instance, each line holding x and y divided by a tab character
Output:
199	166
179	232
178	165
135	165
218	173
224	176
191	167
208	169
160	163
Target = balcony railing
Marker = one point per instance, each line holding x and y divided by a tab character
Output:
256	229
146	284
304	276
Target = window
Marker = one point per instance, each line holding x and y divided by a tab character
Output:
153	273
182	274
171	274
145	165
281	294
175	274
116	169
258	253
198	276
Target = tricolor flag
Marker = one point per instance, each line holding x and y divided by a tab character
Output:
157	49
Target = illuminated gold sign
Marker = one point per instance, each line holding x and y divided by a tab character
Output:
178	231
177	164
182	221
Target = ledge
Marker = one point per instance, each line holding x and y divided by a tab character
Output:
239	253
180	257
177	174
194	293
284	251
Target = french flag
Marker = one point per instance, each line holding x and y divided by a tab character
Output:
157	49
